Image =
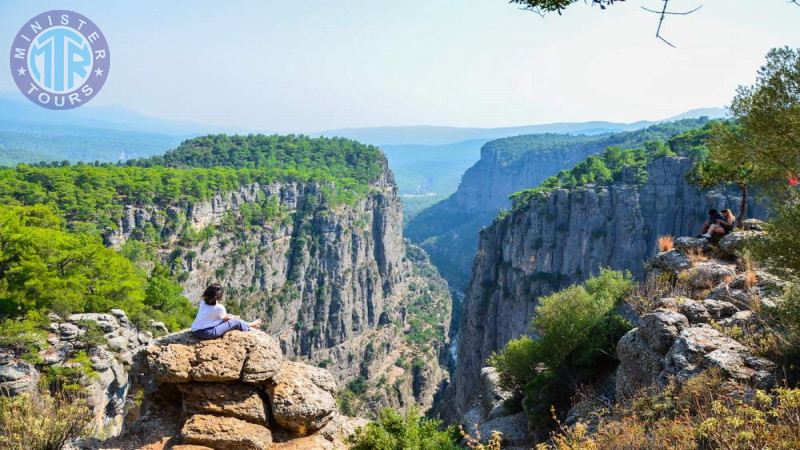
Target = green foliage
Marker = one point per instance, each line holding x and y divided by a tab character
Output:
25	335
577	329
165	295
72	376
600	170
93	335
546	6
393	431
42	266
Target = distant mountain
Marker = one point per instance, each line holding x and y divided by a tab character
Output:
20	115
436	135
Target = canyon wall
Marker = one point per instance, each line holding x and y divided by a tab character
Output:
562	237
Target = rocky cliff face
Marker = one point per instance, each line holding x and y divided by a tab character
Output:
332	282
448	230
561	238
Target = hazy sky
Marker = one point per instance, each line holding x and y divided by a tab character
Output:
320	64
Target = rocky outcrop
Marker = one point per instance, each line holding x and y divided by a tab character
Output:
494	412
685	336
329	280
236	392
564	236
93	348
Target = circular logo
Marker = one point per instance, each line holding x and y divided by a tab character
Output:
60	59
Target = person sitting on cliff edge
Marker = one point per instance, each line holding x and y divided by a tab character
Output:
713	216
213	321
723	225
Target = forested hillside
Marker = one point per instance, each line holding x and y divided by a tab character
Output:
449	230
303	233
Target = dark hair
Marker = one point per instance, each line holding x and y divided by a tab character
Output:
713	212
212	293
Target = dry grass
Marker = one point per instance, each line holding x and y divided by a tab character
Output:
39	421
665	243
696	257
476	442
707	412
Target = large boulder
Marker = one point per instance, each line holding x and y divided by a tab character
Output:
639	364
16	376
251	356
225	433
672	261
230	399
661	327
301	397
687	244
735	242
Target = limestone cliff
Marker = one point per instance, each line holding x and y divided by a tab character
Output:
331	280
561	238
448	230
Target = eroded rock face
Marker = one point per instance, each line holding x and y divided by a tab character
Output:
685	337
562	238
225	433
236	392
107	386
237	356
302	397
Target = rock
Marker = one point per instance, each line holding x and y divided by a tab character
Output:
298	402
264	359
686	355
661	327
119	343
639	364
170	360
228	399
694	311
671	261
69	331
17	376
753	225
159	326
718	309
219	359
191	447
341	427
686	244
513	429
225	433
106	322
735	242
707	274
493	398
740	319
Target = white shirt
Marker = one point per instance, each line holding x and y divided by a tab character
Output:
208	316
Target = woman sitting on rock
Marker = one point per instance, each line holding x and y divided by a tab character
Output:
723	226
213	321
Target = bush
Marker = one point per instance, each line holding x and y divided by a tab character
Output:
577	329
26	336
39	421
393	431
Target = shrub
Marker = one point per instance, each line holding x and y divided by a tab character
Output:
39	421
577	329
665	243
26	336
393	431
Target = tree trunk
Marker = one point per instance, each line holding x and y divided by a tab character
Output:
742	206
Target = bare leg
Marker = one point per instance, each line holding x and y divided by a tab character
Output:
256	323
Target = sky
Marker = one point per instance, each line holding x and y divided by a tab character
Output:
305	66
